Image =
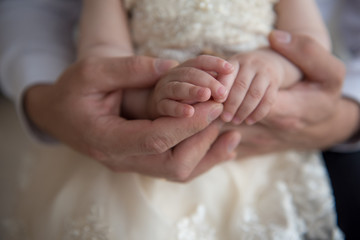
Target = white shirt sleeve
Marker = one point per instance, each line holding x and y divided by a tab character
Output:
36	45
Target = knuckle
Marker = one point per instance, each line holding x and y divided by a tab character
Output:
268	71
253	60
134	64
156	144
241	85
169	88
255	93
189	72
269	99
175	88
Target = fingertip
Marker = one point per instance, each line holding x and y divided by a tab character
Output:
237	121
232	156
250	121
188	111
221	94
203	94
281	37
228	67
227	117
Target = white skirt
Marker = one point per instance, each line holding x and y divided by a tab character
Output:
67	196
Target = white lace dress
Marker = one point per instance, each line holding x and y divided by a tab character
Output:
280	196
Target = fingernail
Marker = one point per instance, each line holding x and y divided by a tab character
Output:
222	91
282	36
189	111
227	117
250	121
215	113
236	121
163	65
228	66
234	143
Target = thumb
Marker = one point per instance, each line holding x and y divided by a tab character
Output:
317	63
127	72
158	136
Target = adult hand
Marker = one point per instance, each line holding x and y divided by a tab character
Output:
313	99
82	109
309	115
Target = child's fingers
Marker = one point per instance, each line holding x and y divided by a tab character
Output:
210	64
252	99
264	106
167	107
237	93
199	78
186	92
228	79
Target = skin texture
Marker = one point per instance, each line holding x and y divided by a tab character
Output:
311	114
257	78
175	93
194	81
82	110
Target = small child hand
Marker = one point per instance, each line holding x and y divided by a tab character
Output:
191	82
257	79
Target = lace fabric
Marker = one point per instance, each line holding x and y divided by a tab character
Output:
278	196
184	29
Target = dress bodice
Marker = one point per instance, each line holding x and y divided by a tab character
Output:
181	29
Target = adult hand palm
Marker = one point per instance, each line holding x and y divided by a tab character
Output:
82	110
